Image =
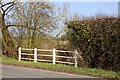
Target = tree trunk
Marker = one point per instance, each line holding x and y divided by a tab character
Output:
7	43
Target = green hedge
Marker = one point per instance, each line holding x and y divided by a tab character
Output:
99	41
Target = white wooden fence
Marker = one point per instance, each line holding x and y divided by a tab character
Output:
54	56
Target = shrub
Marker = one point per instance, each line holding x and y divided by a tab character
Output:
98	39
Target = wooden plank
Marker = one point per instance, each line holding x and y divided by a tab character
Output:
64	51
27	58
35	55
64	62
44	60
19	53
64	57
43	55
54	56
26	54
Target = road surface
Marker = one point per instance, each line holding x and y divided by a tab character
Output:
22	72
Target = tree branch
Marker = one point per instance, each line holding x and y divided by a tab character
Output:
7	4
9	7
1	7
15	25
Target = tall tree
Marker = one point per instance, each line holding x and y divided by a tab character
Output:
37	17
29	20
8	46
30	17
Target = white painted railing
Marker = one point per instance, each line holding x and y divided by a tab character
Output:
54	56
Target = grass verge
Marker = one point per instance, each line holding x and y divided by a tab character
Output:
62	68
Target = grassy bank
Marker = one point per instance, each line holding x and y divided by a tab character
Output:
62	68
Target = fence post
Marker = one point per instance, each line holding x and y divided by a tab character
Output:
35	55
76	52
19	53
54	58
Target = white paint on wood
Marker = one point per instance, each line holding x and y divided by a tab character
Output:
76	58
35	55
19	53
54	56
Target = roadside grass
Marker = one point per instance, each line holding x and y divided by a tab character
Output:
62	68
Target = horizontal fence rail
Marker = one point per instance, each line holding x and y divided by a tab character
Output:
35	55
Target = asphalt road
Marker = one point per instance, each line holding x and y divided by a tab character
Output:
22	72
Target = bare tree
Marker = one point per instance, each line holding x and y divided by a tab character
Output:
29	21
8	46
37	17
